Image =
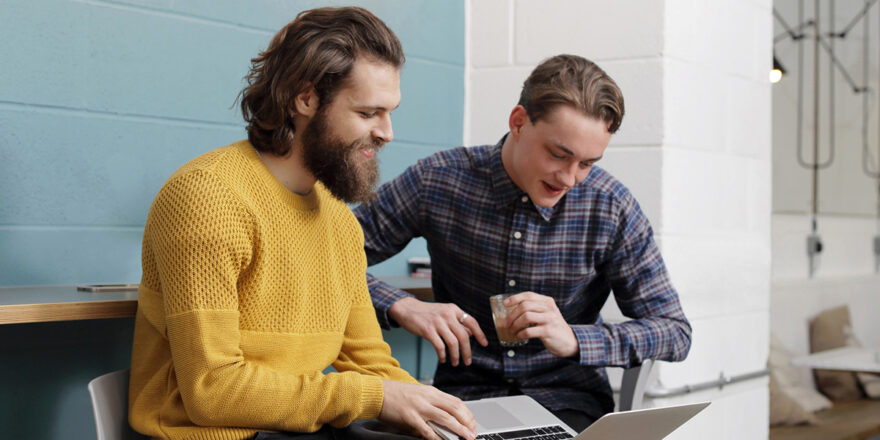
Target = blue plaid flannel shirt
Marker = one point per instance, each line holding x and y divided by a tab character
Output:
596	240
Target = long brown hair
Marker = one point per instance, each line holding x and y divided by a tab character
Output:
574	81
317	49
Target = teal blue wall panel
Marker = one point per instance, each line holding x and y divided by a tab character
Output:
100	101
147	64
42	49
66	255
78	168
45	370
432	104
429	29
126	62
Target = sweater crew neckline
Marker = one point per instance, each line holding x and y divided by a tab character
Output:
308	202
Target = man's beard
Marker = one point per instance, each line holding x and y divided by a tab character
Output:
335	163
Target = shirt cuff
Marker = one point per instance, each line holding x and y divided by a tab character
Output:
592	346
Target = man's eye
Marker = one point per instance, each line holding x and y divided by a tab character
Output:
558	156
367	114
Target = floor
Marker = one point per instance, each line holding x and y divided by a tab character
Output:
859	420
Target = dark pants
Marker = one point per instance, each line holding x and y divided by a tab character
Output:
364	430
325	433
576	420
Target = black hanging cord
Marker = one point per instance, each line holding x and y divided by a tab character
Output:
868	4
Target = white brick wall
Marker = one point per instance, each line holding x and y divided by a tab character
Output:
694	148
719	276
629	29
489	42
641	169
494	91
641	81
738	411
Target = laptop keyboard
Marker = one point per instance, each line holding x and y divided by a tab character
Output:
545	433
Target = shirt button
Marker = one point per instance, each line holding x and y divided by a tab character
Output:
525	199
511	353
511	283
517	234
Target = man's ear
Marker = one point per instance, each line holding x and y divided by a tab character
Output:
307	102
518	118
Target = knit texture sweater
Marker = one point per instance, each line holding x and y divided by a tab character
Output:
249	292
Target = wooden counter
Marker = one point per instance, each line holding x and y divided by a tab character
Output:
26	304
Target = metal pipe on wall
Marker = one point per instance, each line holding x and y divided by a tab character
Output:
719	383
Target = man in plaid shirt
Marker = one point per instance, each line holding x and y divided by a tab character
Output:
531	215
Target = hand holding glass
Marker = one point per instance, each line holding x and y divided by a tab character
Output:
499	316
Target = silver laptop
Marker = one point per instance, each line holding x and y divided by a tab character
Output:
516	417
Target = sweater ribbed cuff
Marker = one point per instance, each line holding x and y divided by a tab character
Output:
221	434
373	395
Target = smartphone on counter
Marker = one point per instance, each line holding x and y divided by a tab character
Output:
106	287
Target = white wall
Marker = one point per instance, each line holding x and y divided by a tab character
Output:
694	148
844	190
847	199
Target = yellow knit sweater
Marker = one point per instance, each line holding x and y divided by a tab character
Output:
249	292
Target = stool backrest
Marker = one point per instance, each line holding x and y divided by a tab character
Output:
110	403
632	388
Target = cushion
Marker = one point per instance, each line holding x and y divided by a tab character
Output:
829	330
792	400
784	409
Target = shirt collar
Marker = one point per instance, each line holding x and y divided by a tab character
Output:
505	192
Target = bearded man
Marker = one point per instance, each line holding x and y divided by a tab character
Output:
253	266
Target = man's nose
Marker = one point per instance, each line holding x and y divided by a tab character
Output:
383	131
568	175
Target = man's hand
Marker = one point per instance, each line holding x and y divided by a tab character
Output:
441	325
534	315
414	406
